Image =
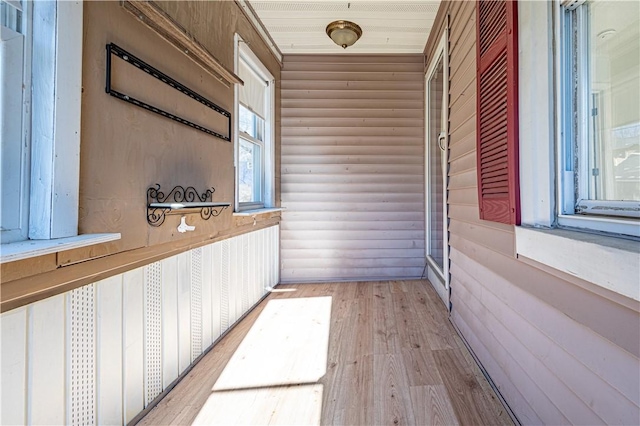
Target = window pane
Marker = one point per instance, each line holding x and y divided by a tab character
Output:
436	182
251	123
614	84
11	17
250	172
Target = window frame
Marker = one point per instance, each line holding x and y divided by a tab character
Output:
590	251
53	125
243	52
575	208
255	204
21	233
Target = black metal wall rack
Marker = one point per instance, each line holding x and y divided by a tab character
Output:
113	49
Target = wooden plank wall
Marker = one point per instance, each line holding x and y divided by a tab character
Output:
352	167
557	352
125	149
101	353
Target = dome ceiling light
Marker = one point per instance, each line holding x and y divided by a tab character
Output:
344	33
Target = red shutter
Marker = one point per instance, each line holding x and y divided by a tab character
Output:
497	110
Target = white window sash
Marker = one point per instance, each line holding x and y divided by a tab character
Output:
259	186
15	107
575	208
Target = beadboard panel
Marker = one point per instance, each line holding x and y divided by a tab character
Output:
103	352
352	167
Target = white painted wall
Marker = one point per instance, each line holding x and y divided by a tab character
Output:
101	353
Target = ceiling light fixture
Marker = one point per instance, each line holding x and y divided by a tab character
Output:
606	34
344	33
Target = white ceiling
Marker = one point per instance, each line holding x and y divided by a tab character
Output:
387	26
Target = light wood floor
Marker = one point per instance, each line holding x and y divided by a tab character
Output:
368	353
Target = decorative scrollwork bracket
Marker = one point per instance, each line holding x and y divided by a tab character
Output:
179	199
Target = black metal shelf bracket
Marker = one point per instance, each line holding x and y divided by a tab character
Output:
181	200
113	49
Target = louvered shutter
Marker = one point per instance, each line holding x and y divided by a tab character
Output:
497	111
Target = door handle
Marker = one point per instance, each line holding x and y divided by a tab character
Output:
442	138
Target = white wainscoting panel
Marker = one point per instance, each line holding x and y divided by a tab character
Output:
153	331
207	289
46	384
133	354
169	321
101	353
196	303
109	350
82	404
184	311
13	360
216	291
225	278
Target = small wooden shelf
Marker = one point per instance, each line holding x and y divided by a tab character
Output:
181	206
181	200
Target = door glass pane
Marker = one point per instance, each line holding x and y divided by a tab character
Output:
614	80
435	167
250	173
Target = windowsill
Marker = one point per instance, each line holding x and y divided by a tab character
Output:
21	250
255	212
606	261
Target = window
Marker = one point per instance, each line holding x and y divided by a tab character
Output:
40	101
254	146
600	115
250	157
14	101
593	260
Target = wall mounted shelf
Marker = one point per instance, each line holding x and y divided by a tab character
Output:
181	200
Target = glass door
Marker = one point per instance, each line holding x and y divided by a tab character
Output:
436	149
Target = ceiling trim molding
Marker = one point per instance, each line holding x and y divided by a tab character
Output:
166	27
253	18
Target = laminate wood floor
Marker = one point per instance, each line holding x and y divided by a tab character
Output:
366	353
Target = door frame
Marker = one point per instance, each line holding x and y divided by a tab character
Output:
440	279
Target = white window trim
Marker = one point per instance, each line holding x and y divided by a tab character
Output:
569	251
56	99
242	49
55	136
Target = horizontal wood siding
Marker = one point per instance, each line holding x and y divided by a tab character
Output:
558	353
352	167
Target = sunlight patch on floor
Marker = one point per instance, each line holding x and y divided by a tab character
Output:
282	405
272	377
287	344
